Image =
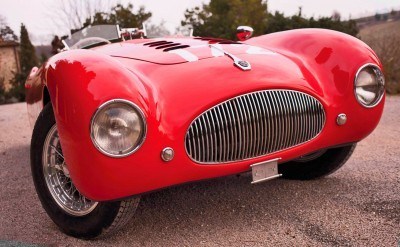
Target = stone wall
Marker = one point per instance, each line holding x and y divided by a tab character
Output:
9	64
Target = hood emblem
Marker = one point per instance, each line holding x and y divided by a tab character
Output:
244	64
241	64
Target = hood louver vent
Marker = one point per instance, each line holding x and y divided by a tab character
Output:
169	45
177	47
165	45
157	43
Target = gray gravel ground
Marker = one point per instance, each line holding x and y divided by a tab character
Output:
357	206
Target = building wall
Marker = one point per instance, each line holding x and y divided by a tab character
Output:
9	64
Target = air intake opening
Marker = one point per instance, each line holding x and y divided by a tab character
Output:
253	125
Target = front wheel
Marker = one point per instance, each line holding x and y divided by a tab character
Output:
71	211
318	164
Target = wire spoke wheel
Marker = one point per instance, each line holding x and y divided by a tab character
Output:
71	211
58	179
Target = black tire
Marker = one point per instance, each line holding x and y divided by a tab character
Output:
99	218
316	165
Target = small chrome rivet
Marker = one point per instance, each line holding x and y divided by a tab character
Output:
167	154
341	119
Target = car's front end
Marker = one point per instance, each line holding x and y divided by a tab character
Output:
142	115
214	119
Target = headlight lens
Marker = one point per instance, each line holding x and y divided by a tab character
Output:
118	128
369	85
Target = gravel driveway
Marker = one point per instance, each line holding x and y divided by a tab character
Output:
358	205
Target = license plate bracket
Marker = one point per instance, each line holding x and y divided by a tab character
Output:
265	171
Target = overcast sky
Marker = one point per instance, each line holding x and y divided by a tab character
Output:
35	14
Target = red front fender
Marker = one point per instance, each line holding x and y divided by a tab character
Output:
79	82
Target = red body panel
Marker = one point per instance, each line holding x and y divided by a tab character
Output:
144	51
320	63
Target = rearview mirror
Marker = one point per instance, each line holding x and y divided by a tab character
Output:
244	33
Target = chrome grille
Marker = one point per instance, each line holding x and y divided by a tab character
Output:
253	125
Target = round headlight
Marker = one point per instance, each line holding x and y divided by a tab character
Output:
369	85
118	128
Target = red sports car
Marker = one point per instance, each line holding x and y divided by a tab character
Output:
128	116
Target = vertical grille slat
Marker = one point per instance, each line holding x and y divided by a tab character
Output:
202	134
269	122
243	115
313	127
226	134
281	119
275	116
298	119
288	118
231	118
206	139
296	112
197	137
209	139
248	127
240	131
257	121
260	125
217	146
254	124
310	117
285	120
302	111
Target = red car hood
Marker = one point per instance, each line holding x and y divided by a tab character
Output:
175	51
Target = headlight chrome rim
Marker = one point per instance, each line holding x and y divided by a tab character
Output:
381	84
141	115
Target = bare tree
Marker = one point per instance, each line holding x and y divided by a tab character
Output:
72	14
159	30
336	15
6	33
3	21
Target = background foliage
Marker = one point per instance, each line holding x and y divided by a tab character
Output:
220	18
119	14
386	44
28	60
6	33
